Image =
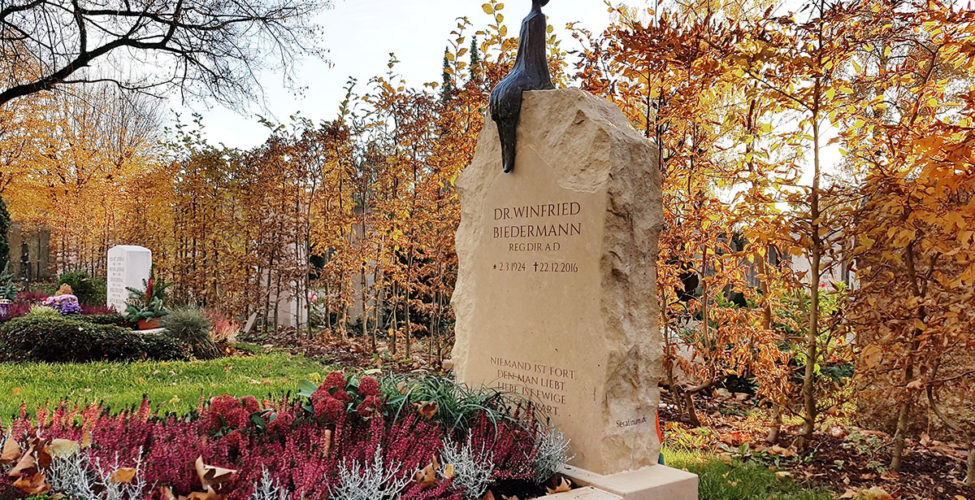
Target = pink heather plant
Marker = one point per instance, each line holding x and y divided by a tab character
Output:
299	445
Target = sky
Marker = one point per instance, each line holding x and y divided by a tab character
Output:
359	35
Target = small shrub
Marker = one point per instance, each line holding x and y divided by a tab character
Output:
222	327
374	481
64	340
79	476
104	319
88	290
30	297
72	476
41	312
268	489
553	453
160	347
191	327
15	310
473	466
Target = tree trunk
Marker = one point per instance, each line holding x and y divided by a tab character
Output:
394	326
897	454
365	314
776	428
692	418
409	325
675	393
815	262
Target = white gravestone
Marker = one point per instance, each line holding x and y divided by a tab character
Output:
128	266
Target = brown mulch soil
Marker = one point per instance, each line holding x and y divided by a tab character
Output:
352	351
844	459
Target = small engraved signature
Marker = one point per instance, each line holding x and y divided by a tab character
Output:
631	422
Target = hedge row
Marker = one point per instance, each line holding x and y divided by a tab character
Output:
69	340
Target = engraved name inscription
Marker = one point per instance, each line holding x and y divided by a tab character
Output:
543	227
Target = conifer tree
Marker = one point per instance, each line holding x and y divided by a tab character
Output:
475	61
448	79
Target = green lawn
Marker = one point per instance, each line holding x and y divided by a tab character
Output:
740	481
171	386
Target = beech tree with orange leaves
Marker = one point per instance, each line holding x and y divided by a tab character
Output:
912	136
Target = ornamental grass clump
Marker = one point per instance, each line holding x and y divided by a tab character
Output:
457	405
190	326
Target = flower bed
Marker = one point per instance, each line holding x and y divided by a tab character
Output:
25	300
344	439
65	304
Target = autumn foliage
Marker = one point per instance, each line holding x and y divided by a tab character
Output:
817	173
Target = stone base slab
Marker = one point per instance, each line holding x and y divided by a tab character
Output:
150	331
587	493
649	483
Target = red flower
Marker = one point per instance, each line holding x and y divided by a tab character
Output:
319	395
250	404
342	396
235	440
149	289
281	422
329	408
225	411
368	387
370	407
334	380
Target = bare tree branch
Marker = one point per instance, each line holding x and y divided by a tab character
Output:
212	49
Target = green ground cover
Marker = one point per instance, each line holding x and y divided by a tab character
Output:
171	386
740	480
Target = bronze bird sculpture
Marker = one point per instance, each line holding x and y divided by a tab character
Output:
530	72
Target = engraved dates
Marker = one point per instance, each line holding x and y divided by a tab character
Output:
556	267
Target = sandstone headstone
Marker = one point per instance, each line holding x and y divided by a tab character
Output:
556	293
128	266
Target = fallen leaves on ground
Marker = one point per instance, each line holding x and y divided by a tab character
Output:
211	476
846	459
564	485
